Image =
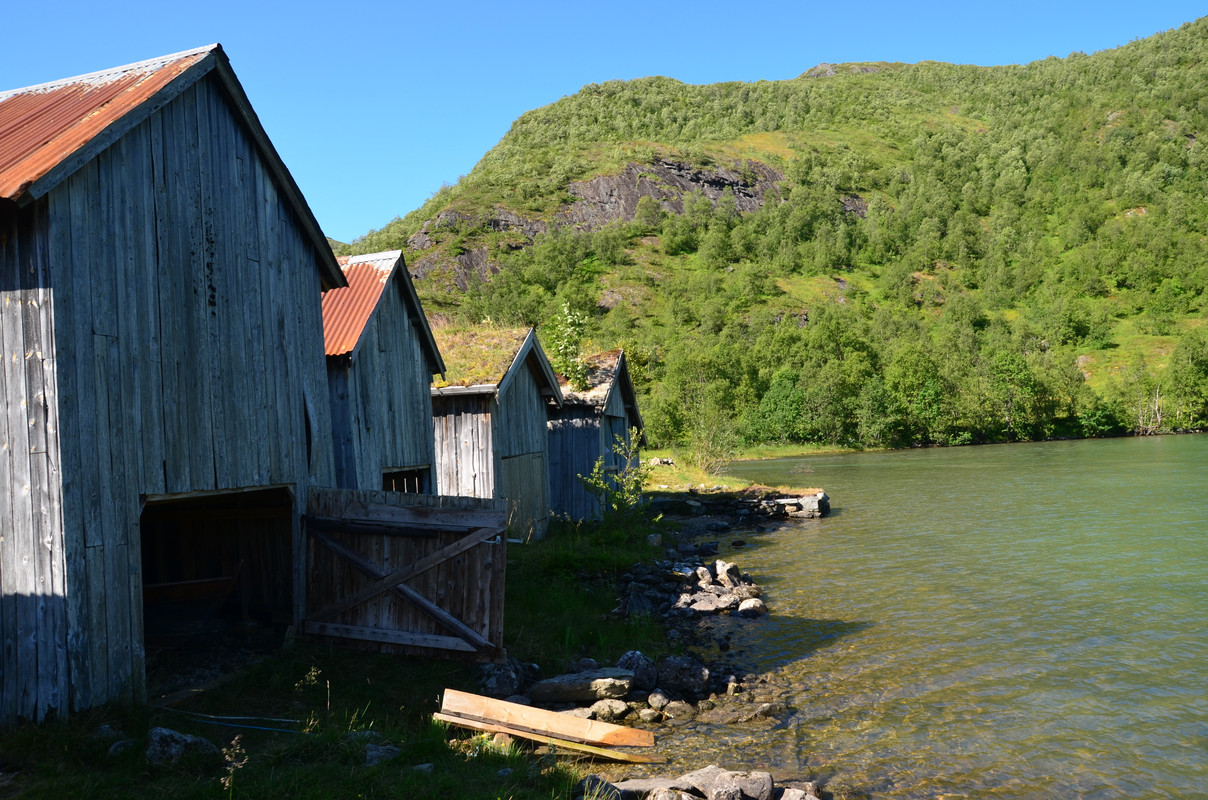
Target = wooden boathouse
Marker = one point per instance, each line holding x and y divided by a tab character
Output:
380	360
490	417
586	428
165	400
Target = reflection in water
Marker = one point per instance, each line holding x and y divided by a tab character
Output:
1008	621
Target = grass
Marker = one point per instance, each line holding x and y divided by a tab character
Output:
682	476
559	595
338	697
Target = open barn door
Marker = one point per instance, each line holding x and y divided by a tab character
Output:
406	572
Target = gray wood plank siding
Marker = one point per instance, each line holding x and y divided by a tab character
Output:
497	446
381	400
579	434
466	458
183	353
574	446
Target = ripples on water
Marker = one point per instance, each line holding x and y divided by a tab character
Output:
1007	621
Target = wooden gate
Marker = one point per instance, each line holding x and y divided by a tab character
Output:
409	571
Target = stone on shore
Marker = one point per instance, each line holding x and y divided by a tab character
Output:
683	675
583	687
610	710
166	746
678	709
716	783
753	607
645	673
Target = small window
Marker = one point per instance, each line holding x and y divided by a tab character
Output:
409	481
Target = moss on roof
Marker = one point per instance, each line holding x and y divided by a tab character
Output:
601	369
477	356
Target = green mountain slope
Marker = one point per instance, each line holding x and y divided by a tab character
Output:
869	254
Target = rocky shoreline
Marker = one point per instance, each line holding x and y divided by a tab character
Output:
690	591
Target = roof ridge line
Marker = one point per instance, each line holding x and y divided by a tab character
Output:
157	62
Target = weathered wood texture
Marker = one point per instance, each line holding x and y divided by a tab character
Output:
579	434
553	723
466	459
496	445
381	399
162	333
411	572
574	446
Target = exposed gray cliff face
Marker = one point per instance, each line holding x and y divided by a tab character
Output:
602	200
608	198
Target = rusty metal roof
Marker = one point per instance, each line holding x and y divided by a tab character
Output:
49	131
41	126
346	311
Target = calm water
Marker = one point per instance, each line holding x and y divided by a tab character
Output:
1008	621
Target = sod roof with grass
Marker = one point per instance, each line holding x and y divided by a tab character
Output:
477	356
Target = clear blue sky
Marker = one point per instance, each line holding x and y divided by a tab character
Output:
373	105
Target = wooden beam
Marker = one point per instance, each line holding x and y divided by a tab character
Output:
333	525
538	720
408	572
388	636
602	752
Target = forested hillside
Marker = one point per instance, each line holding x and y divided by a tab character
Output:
870	255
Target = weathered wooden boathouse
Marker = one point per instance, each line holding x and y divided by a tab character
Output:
380	360
490	417
165	401
587	427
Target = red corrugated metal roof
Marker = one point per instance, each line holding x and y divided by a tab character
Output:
346	311
40	126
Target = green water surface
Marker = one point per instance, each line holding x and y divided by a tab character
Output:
1008	621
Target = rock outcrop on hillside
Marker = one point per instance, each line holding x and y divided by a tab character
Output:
599	202
609	198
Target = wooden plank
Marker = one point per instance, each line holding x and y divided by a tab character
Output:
410	595
602	752
14	461
384	583
46	529
72	409
358	527
550	723
396	637
435	518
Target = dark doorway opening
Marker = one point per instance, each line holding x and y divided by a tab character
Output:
218	583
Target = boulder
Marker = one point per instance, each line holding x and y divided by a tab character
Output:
582	687
752	607
716	783
658	699
728	575
166	746
610	710
645	673
678	709
377	753
501	680
683	675
642	786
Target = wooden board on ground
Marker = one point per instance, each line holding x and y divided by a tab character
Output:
602	752
548	723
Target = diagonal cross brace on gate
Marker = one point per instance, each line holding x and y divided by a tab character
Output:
384	581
